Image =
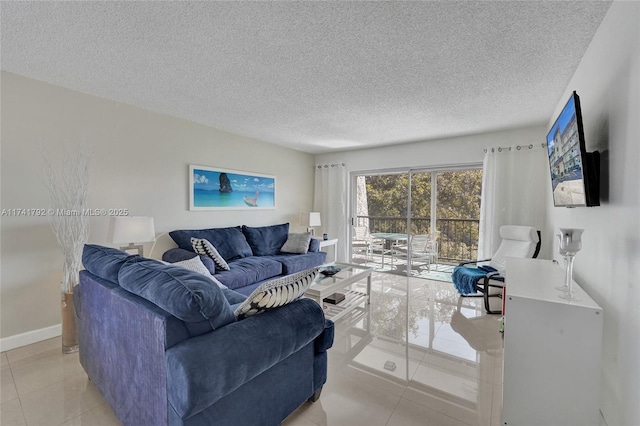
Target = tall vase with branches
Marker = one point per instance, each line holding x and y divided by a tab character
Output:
67	182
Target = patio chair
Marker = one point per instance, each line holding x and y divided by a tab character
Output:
362	241
423	250
517	241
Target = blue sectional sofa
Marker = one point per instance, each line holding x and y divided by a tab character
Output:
253	254
162	345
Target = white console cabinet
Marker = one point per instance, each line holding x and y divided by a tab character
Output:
552	349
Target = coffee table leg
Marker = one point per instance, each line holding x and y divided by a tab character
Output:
369	289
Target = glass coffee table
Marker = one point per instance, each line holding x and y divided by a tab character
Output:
341	282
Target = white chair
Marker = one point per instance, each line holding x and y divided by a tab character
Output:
361	242
517	241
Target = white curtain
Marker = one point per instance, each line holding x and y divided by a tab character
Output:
330	199
514	192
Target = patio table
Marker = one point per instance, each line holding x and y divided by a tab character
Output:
389	239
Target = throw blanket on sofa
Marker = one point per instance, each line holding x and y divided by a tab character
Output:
466	279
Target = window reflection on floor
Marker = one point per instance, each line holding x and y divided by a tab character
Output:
419	339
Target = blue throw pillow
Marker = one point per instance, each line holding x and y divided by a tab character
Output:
185	294
230	242
266	240
104	262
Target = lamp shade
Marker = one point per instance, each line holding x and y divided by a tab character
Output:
310	219
133	229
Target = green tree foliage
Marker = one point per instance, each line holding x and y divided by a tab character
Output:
387	195
459	194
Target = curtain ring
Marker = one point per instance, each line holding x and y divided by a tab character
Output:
500	149
531	146
493	150
518	147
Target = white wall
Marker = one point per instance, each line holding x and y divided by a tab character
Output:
140	162
608	267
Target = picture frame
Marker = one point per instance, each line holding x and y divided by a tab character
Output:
215	188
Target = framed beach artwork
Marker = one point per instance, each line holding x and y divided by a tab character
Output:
212	188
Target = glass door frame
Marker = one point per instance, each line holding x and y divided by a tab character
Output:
410	171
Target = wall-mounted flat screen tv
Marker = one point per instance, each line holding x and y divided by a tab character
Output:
574	172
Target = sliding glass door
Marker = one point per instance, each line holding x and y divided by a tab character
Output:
415	221
458	214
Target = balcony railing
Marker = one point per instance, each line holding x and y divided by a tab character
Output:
457	241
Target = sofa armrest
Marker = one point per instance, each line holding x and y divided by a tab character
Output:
325	340
203	369
123	339
314	245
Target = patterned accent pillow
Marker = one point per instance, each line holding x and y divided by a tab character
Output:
202	246
195	264
276	293
296	243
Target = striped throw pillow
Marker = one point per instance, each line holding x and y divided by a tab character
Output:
202	246
275	293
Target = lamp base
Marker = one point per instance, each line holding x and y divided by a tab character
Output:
133	248
311	231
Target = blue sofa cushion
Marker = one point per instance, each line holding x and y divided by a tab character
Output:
185	294
104	262
292	263
249	270
230	242
204	247
276	293
233	297
177	255
266	240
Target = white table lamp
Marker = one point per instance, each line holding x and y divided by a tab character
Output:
131	230
310	219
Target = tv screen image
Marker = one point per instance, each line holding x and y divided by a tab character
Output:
565	145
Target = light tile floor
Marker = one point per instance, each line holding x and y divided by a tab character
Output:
443	358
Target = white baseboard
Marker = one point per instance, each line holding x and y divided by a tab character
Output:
35	336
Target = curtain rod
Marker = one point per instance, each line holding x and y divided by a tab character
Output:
319	166
518	147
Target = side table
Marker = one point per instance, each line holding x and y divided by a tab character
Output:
329	243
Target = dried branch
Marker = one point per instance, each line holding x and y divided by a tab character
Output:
67	181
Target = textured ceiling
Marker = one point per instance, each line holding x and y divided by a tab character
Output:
314	76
